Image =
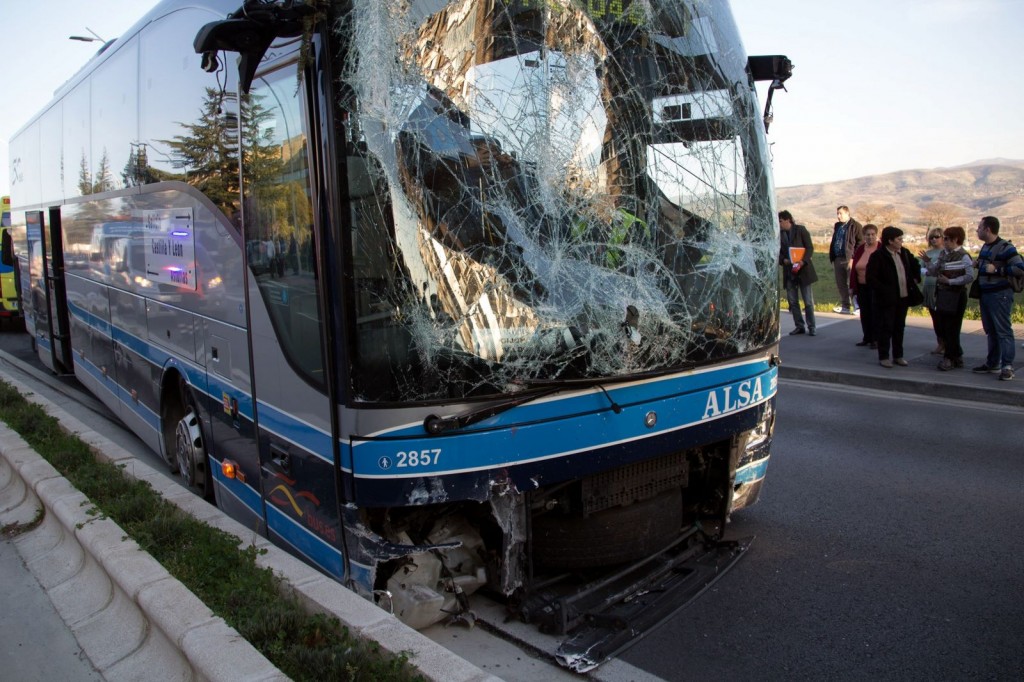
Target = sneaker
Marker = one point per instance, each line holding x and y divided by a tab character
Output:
845	311
887	363
946	364
838	309
1006	374
798	330
901	362
984	369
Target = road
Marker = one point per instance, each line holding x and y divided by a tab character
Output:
887	549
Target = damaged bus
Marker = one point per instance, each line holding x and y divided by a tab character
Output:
443	296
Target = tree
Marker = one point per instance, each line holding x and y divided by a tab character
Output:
939	214
888	215
84	177
207	151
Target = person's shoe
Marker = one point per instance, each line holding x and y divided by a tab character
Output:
837	309
958	363
887	363
798	330
845	311
1006	374
984	369
862	343
939	350
901	362
946	364
873	346
811	332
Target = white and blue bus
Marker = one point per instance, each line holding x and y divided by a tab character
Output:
441	295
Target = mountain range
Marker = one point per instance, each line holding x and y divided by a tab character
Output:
917	199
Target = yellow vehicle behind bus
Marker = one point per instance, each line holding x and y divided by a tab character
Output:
9	308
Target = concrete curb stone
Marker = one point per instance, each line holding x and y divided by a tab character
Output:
125	638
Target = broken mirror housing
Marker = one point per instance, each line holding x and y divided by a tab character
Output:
249	31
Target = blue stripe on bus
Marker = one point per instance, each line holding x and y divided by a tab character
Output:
205	382
556	432
296	431
548	428
311	546
315	549
752	472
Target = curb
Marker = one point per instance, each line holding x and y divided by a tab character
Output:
176	625
932	389
129	615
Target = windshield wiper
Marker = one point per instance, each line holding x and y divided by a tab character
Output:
434	424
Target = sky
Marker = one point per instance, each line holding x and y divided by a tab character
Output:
878	85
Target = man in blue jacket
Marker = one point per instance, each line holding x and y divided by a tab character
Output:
997	262
847	234
797	276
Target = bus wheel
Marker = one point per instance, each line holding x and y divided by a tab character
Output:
189	447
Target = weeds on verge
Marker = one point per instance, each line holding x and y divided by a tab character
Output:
207	561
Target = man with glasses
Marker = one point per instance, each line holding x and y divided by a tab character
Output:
997	261
847	234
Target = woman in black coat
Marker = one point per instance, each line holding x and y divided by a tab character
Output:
893	273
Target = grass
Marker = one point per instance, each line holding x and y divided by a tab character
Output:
207	561
826	297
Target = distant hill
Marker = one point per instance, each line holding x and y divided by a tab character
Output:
913	199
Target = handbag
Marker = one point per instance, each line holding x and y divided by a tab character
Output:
975	291
947	300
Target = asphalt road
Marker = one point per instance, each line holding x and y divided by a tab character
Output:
888	548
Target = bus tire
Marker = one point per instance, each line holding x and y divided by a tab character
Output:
612	536
188	444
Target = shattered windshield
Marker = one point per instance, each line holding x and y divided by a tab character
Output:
545	190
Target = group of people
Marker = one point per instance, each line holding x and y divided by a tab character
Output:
873	270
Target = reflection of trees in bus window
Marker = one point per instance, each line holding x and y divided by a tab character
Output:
172	94
279	215
206	150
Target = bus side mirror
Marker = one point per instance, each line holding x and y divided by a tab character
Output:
7	254
775	68
249	31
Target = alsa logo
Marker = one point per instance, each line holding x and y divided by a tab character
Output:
732	398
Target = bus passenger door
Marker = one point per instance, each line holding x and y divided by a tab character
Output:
299	478
48	295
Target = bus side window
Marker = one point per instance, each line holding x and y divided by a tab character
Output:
279	215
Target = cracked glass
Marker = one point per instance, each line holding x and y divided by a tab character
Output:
543	191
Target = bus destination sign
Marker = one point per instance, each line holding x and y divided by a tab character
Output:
170	247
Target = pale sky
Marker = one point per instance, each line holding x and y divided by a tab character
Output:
878	85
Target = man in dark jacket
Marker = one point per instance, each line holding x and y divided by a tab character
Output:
797	273
847	234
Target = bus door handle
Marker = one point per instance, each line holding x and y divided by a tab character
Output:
280	457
